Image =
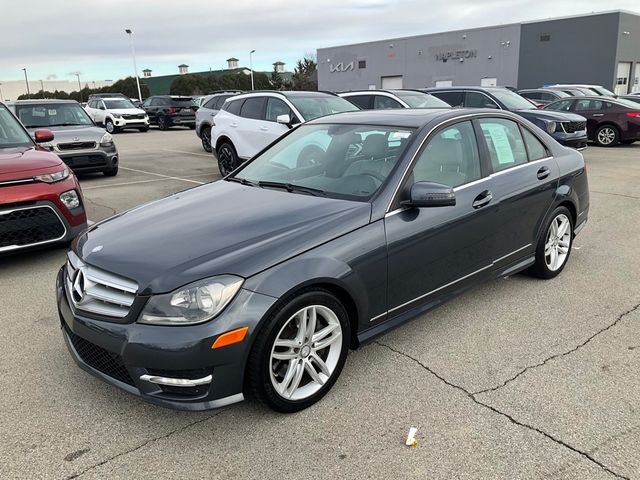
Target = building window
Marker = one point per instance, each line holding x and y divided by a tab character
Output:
545	37
362	64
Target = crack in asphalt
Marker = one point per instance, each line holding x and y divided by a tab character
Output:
143	444
472	397
559	355
615	194
93	202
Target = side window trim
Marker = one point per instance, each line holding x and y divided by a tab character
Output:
526	146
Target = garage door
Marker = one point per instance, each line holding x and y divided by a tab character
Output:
622	78
391	82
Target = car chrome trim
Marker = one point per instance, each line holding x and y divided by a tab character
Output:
378	316
517	167
9	248
177	382
440	288
512	253
19	181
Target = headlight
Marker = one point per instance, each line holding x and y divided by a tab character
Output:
70	199
53	177
551	127
106	140
116	115
191	304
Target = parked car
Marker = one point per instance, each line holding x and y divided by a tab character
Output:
204	116
609	120
168	111
41	201
573	92
249	122
383	99
82	145
542	96
406	209
108	95
566	128
116	114
585	88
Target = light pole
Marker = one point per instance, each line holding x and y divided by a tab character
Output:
26	80
77	74
251	66
135	68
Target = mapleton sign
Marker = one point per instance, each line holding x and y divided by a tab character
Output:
455	55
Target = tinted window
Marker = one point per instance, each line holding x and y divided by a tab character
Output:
363	101
511	100
380	102
234	106
451	157
505	144
535	147
118	103
562	105
253	108
210	103
220	101
591	105
532	95
421	100
455	99
318	105
277	107
478	100
156	102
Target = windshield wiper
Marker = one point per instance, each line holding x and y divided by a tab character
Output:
243	181
290	187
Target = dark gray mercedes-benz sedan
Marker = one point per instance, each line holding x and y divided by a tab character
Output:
344	228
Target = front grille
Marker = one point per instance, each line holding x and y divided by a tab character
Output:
22	227
572	127
132	116
97	291
76	146
97	357
81	161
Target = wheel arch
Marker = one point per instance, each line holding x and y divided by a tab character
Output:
223	139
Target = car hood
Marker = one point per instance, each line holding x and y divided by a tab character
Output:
74	133
16	163
550	115
218	228
127	111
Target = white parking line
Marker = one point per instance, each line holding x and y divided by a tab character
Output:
163	176
208	155
106	185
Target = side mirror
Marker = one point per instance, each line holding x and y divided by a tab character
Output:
430	194
43	136
284	119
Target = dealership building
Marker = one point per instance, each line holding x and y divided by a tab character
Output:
600	48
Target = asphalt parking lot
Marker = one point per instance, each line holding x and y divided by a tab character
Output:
520	378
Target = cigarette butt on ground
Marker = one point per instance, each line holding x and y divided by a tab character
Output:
411	438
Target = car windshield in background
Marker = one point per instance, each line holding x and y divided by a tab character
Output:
185	102
52	115
12	135
603	91
338	161
421	100
118	103
512	100
316	106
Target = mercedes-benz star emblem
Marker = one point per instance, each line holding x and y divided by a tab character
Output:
79	286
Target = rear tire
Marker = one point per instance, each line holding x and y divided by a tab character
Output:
606	136
162	123
287	369
205	137
554	245
227	159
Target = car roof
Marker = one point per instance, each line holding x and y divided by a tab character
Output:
473	88
42	100
404	117
289	93
392	91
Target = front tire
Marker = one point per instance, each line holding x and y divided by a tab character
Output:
299	352
606	136
227	159
109	126
205	137
554	245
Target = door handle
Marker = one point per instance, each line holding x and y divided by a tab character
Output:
233	125
483	199
598	114
264	129
543	173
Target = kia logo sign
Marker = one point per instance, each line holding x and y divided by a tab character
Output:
342	67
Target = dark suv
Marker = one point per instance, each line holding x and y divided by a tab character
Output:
170	110
568	129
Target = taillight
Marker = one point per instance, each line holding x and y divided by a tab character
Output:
633	114
172	109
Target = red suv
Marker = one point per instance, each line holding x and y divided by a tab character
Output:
40	199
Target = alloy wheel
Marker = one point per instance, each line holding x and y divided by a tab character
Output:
606	136
109	126
206	138
305	352
556	248
226	160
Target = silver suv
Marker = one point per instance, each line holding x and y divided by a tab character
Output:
77	140
209	107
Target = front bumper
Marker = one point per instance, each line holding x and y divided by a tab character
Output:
130	356
90	161
577	140
122	123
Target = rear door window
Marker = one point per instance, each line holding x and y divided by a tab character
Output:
535	147
455	99
382	102
253	108
504	142
365	102
234	106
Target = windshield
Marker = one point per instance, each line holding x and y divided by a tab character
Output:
52	115
511	100
12	135
603	91
118	103
338	161
421	100
628	103
317	106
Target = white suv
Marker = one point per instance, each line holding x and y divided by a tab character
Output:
116	114
248	123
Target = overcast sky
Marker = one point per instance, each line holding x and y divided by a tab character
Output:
52	39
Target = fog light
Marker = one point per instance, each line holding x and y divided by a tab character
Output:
70	199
